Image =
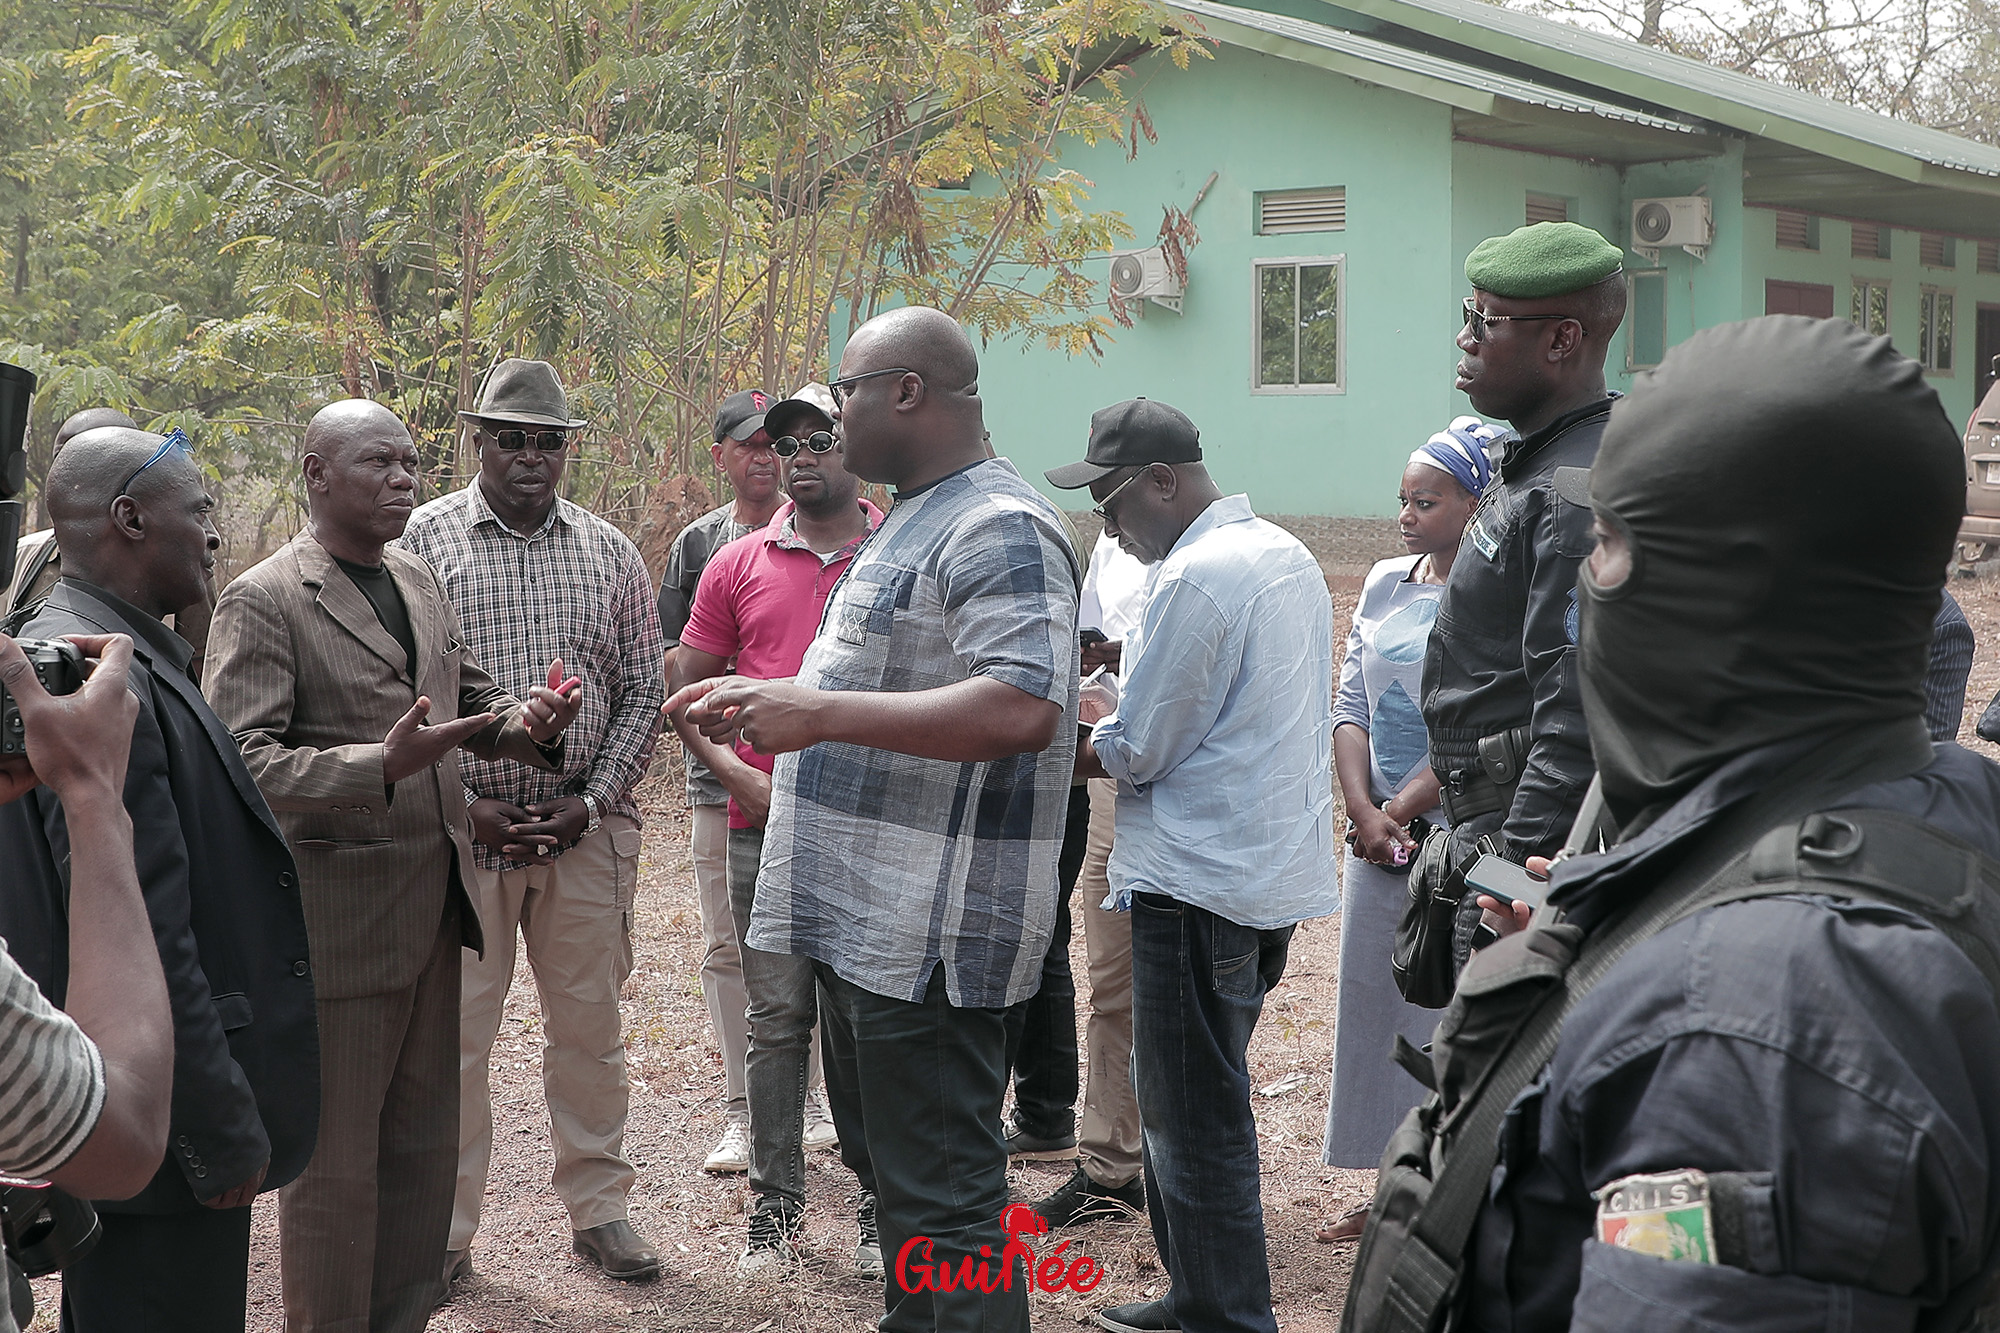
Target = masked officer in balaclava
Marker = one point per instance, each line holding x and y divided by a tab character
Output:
1781	1112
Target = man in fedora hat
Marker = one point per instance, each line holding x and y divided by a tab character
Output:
555	854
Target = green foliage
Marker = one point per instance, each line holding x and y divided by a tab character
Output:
237	209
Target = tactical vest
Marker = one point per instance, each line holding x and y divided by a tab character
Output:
1504	1022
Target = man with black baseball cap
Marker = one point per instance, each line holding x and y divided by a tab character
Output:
742	450
1222	748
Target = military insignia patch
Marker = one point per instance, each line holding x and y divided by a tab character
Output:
1571	626
1666	1216
1482	538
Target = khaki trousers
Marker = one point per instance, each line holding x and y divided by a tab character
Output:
362	1231
575	916
721	955
1109	1139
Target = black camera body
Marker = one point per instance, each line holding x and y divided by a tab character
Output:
58	665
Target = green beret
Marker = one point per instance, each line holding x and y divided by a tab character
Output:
1545	259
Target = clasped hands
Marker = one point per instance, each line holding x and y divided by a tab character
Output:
772	716
413	744
524	832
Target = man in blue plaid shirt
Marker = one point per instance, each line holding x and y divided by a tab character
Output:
534	578
924	756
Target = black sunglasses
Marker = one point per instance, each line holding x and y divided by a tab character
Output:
542	441
1477	319
839	388
820	442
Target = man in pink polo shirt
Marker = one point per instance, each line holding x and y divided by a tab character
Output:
759	602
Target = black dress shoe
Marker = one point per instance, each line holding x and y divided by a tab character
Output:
618	1250
1082	1200
1138	1317
457	1265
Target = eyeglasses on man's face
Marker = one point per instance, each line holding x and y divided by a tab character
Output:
820	442
1103	507
176	440
1477	319
840	387
512	441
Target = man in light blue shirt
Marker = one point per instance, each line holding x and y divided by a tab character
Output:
1222	748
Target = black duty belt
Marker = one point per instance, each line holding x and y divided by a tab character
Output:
1467	793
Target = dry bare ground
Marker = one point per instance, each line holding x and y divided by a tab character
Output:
527	1282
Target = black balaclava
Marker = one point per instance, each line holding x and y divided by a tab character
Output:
1790	489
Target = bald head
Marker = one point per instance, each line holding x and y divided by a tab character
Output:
91	418
92	470
349	423
922	339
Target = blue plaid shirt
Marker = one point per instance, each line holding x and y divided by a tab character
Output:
882	865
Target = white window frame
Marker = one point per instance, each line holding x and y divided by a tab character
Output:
1927	297
1257	266
1858	284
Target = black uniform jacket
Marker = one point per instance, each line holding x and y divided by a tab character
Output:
1845	1055
223	896
1503	651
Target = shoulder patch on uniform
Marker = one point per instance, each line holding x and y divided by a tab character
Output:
1481	538
1573	485
1571	623
1666	1215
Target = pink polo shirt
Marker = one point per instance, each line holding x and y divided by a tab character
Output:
759	601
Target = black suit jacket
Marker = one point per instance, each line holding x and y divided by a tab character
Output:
223	895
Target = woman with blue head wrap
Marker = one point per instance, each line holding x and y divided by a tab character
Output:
1382	756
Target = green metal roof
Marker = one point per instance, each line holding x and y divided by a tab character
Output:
1373	61
1483	33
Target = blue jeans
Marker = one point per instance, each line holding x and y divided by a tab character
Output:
1198	986
915	1092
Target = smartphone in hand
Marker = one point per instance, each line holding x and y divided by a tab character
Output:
1499	878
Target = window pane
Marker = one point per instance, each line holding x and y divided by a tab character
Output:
1860	306
1319	324
1941	331
1925	303
1278	309
1878	310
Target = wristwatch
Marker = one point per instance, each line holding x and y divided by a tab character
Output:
596	816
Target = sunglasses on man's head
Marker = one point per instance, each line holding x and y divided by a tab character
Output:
177	440
820	442
542	441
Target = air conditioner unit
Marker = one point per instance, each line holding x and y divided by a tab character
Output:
1687	221
1143	275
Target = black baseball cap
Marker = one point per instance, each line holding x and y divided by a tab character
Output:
1130	434
741	415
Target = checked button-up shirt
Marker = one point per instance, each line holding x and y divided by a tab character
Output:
575	588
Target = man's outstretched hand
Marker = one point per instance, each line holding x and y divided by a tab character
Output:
77	743
413	745
548	710
772	716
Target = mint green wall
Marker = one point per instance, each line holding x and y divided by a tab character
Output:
1417	202
1266	124
1832	265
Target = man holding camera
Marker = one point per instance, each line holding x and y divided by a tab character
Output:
84	1094
132	517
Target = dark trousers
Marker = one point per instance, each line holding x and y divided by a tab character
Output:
362	1233
784	1006
180	1272
915	1092
1041	1030
1198	986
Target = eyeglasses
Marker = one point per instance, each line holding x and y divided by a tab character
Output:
820	442
1477	320
541	441
1103	507
177	440
839	388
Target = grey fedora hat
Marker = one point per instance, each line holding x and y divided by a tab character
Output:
525	391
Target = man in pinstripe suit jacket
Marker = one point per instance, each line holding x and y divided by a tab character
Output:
340	668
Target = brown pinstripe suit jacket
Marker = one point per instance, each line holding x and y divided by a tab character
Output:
301	670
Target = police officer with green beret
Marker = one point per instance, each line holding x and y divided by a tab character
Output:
1500	682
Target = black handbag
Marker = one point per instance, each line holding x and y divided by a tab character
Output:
1421	959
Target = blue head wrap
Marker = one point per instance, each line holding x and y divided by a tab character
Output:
1460	449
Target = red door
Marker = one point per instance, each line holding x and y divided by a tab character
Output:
1798	298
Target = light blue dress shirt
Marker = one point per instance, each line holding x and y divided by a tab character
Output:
1222	744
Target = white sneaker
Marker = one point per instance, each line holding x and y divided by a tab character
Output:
820	1133
732	1153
